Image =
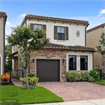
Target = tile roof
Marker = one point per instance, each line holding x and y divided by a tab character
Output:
29	16
94	28
63	47
3	14
70	48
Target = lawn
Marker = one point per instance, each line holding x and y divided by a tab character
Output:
37	95
101	82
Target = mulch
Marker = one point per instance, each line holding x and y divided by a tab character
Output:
10	83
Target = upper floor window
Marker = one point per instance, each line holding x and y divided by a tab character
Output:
84	62
61	33
37	26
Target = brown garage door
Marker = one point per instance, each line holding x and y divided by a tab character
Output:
48	70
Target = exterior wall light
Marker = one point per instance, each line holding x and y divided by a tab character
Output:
63	61
33	60
20	59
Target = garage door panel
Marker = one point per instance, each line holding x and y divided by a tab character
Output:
48	70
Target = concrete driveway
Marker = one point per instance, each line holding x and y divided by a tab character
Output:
75	91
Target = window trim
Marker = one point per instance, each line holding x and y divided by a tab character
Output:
75	62
87	62
38	24
64	32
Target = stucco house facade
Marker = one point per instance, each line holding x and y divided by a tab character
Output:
93	37
67	50
3	17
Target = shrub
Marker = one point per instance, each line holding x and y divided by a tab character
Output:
104	75
85	76
4	79
95	74
91	79
30	75
33	81
73	76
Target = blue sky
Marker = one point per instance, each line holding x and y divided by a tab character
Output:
89	10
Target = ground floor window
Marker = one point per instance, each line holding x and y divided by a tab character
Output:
83	62
72	62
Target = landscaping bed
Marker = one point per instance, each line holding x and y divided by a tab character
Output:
37	95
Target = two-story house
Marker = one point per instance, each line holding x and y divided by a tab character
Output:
3	17
93	37
66	52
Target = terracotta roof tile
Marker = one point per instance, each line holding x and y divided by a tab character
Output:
62	47
29	16
69	48
3	14
94	28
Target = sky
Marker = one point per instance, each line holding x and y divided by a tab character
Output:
89	10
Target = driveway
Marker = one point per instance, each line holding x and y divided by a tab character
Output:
75	91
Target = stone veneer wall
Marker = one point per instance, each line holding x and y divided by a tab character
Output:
50	54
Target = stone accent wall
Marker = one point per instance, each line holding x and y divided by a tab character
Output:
50	54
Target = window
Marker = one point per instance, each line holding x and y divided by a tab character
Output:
61	33
84	62
72	62
37	26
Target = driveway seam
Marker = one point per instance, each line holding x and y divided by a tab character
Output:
92	102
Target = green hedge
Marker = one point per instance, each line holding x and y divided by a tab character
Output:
95	74
31	75
103	75
33	81
75	76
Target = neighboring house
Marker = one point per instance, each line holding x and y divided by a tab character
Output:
66	52
93	37
3	17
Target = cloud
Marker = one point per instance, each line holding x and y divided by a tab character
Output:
8	23
101	12
22	16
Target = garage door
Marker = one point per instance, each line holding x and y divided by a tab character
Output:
48	70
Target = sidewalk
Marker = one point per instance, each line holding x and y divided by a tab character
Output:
86	102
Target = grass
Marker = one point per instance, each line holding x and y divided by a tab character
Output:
101	82
37	95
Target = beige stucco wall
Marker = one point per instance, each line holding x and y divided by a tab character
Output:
93	41
72	29
2	44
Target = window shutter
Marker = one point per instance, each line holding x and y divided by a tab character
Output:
55	32
44	27
67	37
32	25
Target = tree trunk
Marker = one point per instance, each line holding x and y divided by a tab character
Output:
27	83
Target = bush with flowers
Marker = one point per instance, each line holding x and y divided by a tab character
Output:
4	79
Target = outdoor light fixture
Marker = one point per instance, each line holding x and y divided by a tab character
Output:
63	61
13	58
20	59
33	60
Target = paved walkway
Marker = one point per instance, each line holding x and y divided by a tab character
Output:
76	91
16	82
87	102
